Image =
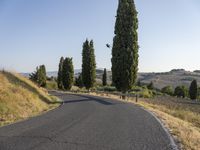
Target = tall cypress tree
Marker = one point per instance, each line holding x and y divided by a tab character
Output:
68	73
125	46
88	65
60	72
193	91
104	78
42	76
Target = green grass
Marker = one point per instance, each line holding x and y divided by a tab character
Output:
20	98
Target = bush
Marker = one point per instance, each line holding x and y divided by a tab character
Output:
137	89
51	85
107	89
167	90
181	91
146	93
150	86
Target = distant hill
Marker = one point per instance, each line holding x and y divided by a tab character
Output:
174	77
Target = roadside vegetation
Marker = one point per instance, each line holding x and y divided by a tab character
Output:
181	116
20	98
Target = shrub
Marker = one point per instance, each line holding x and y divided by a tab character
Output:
107	89
51	85
181	91
167	90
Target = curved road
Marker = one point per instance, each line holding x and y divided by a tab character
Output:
87	123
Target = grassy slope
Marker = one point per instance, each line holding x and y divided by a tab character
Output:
20	98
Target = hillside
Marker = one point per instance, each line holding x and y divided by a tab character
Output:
174	77
20	98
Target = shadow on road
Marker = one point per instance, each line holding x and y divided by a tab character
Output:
82	98
101	101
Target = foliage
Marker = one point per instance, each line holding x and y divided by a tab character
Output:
60	74
150	86
88	65
104	78
106	88
181	91
167	90
68	73
125	47
193	91
79	81
39	76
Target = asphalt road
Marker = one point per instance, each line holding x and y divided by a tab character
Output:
87	123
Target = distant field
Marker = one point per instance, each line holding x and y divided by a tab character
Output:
20	98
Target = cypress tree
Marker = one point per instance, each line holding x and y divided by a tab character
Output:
125	46
193	91
42	76
60	76
88	65
68	73
104	78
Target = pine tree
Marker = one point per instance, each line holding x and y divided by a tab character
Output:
68	74
88	65
60	76
193	91
125	46
104	78
34	76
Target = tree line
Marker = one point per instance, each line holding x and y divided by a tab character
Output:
182	91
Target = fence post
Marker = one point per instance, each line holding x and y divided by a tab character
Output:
136	98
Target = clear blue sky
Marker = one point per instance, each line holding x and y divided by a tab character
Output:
34	32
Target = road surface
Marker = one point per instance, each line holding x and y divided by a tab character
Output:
87	123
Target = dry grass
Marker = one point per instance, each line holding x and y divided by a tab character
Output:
180	116
20	98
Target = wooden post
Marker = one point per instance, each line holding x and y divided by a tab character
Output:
136	100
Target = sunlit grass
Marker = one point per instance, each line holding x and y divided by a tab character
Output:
20	98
